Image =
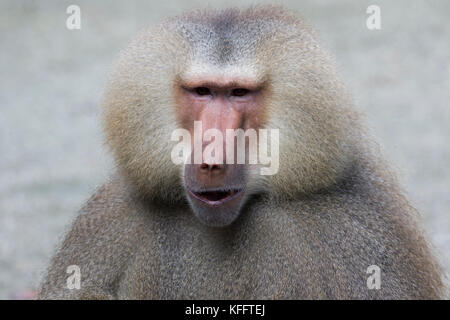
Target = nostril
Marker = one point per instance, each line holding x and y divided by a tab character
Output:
212	167
215	167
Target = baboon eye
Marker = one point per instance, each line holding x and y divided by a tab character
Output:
239	92
202	91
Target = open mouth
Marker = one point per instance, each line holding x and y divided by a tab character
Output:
216	197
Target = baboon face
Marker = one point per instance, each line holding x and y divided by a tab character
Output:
216	187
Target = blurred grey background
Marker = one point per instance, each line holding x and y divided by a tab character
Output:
51	149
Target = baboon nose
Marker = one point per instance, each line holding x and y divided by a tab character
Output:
206	167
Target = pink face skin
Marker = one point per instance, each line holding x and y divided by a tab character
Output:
215	190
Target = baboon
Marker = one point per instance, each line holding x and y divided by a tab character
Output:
159	230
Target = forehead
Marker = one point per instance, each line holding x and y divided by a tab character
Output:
226	37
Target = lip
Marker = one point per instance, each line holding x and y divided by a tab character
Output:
209	196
